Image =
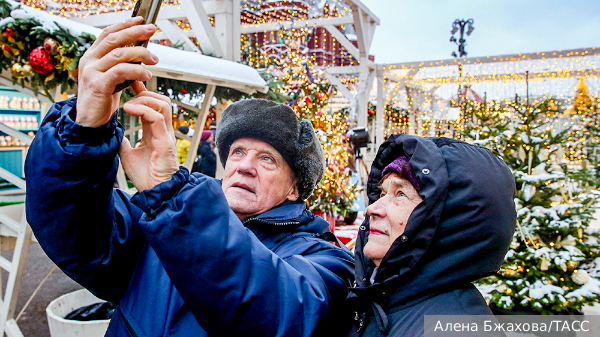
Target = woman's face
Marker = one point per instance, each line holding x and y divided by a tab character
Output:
389	215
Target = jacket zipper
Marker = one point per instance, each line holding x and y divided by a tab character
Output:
127	325
275	223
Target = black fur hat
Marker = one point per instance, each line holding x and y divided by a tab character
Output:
277	125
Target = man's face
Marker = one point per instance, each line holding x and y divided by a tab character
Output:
257	178
389	215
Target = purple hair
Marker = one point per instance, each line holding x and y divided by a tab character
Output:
401	167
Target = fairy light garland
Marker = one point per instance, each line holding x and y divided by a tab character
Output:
292	74
547	75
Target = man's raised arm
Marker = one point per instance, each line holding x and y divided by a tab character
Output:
87	229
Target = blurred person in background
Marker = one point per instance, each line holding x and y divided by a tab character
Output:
206	160
183	145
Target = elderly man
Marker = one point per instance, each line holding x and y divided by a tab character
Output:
187	255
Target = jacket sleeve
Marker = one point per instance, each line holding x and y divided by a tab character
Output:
88	229
233	284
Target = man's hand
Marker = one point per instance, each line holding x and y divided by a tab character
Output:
108	63
155	160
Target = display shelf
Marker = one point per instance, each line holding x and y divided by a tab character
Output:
19	111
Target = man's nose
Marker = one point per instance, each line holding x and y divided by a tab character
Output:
377	209
247	166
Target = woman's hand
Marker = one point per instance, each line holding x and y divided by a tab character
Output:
155	159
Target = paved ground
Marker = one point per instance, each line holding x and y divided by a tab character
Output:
33	322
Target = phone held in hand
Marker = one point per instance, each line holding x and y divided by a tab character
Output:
148	9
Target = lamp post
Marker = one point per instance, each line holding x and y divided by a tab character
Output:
460	25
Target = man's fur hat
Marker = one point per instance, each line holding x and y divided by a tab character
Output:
277	125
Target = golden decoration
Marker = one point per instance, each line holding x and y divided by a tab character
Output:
50	77
572	265
17	70
27	71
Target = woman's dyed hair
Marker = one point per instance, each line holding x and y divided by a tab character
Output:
402	168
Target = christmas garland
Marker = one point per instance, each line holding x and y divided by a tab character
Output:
44	56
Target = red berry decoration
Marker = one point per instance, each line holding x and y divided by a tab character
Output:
51	45
10	33
41	61
8	48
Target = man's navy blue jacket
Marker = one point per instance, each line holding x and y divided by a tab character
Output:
176	259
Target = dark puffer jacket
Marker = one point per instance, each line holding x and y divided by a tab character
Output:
208	160
176	259
458	234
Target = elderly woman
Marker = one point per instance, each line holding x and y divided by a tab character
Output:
441	215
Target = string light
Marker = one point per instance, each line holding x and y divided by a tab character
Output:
429	89
290	71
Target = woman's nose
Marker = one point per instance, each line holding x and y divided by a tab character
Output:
377	209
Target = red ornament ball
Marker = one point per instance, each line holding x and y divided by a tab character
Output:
41	61
10	33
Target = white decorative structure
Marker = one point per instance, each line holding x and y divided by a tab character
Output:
12	225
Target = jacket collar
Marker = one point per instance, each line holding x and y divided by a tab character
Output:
287	213
290	216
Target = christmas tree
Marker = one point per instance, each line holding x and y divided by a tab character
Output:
291	77
551	266
582	120
583	102
489	126
592	143
587	107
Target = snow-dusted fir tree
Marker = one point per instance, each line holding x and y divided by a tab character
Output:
490	124
551	266
589	109
583	120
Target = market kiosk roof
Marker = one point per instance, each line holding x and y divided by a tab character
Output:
174	63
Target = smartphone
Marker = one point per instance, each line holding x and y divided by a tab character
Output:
148	9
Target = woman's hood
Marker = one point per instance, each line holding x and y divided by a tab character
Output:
459	233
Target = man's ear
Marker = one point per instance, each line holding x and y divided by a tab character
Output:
293	194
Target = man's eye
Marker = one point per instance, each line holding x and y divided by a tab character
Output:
400	194
382	195
237	152
268	159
